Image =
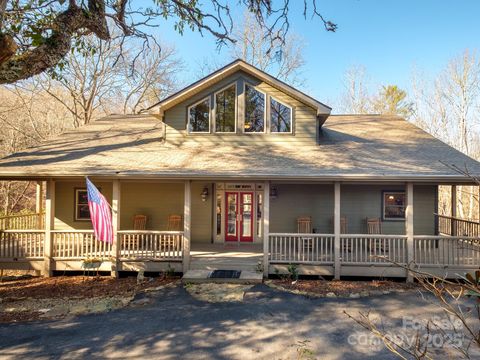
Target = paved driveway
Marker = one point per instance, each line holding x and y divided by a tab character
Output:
268	325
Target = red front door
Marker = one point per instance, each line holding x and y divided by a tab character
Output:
239	216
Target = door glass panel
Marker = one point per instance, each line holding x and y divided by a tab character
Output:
247	215
232	214
259	214
219	214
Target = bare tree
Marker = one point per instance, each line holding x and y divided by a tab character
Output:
282	58
447	107
27	116
150	78
90	79
356	98
37	35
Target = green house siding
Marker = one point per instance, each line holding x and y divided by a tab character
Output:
65	203
357	203
304	117
155	200
294	200
202	213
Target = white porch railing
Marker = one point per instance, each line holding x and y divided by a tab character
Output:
447	251
301	248
151	245
79	244
22	244
373	249
22	222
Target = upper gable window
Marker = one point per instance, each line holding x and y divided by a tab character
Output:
254	110
280	117
225	109
199	117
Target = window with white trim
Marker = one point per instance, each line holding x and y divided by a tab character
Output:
82	211
280	117
225	101
199	117
254	110
393	205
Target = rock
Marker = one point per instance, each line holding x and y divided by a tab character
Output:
386	292
57	311
79	309
44	311
364	294
354	295
142	301
331	295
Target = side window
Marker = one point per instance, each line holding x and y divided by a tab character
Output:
393	205
280	117
225	101
254	110
81	205
199	117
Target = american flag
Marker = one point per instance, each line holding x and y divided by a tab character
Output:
99	214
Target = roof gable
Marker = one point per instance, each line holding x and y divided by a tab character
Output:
233	67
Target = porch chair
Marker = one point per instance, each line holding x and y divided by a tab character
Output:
374	227
139	222
304	226
174	223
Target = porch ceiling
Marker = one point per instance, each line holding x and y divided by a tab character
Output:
356	148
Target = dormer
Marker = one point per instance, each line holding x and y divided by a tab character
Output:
240	103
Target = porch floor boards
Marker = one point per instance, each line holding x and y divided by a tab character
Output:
229	256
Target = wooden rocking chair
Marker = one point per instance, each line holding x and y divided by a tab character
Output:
374	227
304	226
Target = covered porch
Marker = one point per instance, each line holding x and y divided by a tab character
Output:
337	243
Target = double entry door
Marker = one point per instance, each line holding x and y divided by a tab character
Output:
239	216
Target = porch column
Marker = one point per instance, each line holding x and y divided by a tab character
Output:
409	228
336	230
266	226
116	246
39	204
49	226
187	219
453	206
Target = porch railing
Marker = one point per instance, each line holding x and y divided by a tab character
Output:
151	245
447	251
301	248
22	222
453	226
22	244
79	244
373	249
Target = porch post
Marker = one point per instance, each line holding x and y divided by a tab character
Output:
453	206
39	204
266	226
409	229
336	230
49	226
116	227
187	225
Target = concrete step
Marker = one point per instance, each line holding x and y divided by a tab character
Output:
202	276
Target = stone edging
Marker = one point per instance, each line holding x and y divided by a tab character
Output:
356	295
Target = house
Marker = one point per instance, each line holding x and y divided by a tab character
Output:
240	168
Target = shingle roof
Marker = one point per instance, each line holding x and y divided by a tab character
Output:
350	147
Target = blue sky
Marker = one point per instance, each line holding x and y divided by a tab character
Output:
389	38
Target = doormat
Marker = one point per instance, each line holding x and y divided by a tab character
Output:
225	274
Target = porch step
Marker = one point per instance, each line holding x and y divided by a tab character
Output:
203	276
223	263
